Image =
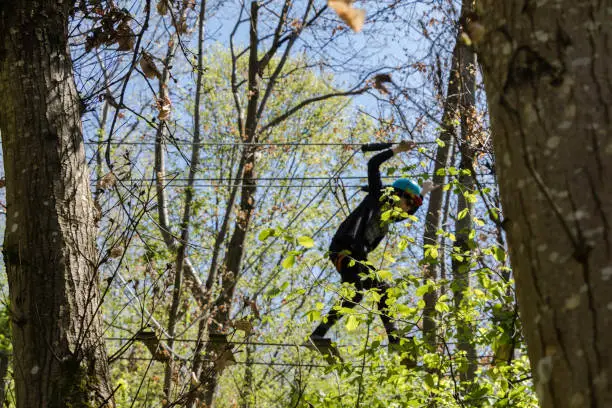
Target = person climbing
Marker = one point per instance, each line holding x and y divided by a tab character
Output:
362	231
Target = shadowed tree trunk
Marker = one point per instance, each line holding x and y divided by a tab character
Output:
49	249
4	365
434	209
549	89
464	224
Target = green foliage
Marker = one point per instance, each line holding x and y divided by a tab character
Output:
287	274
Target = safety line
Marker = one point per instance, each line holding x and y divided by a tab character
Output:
188	143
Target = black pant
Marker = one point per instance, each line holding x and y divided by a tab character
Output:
350	274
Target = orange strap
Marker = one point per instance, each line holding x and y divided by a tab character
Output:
338	262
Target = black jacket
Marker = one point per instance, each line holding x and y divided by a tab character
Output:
362	231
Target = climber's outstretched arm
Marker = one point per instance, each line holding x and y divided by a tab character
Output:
374	181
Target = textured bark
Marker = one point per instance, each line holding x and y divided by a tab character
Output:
549	89
49	248
235	250
187	211
4	366
434	209
464	225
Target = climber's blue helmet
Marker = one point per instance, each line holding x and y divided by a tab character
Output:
410	190
408	186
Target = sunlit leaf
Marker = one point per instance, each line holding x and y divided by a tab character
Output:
289	261
305	241
352	323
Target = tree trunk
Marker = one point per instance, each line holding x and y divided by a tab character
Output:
4	366
187	210
465	206
49	248
549	89
434	209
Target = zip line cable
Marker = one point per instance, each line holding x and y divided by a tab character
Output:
257	178
206	144
237	343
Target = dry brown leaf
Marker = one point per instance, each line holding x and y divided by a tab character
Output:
116	252
148	66
125	37
164	106
162	7
254	308
296	24
245	325
181	25
107	181
353	17
379	81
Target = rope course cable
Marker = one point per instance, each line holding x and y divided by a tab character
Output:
260	178
189	143
305	365
237	343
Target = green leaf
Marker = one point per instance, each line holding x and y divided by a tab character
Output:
403	244
264	234
352	323
388	257
305	241
421	290
385	215
431	251
440	143
313	315
499	254
289	261
429	381
462	213
384	274
442	307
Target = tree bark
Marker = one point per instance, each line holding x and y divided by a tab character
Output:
549	89
49	248
464	225
4	366
434	209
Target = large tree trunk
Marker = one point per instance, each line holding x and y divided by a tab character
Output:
549	88
49	248
4	366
